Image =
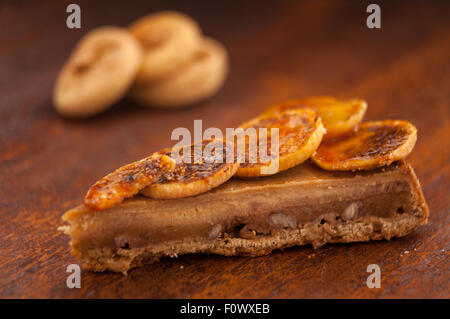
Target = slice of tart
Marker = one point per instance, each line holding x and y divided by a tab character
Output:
302	205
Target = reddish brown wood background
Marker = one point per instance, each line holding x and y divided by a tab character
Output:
278	50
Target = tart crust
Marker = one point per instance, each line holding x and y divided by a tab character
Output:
303	205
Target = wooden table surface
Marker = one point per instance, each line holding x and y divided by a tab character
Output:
278	50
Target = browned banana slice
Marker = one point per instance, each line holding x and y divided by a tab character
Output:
299	133
168	39
98	73
199	78
338	116
206	167
374	144
127	181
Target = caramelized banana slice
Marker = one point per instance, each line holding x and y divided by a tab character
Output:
338	116
299	135
207	164
374	144
128	181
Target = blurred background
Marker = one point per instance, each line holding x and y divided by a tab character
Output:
278	50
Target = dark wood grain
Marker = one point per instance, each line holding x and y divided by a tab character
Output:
278	50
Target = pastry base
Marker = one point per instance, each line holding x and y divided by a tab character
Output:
304	205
